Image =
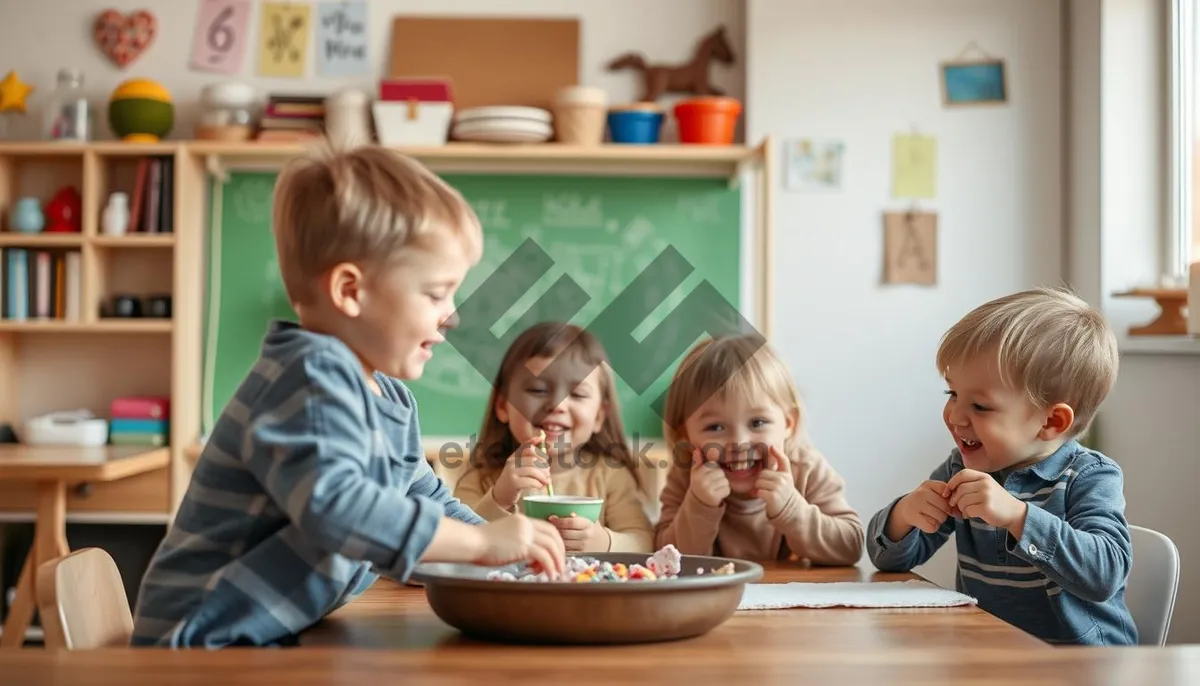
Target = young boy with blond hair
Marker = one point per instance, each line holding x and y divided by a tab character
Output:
314	479
1038	519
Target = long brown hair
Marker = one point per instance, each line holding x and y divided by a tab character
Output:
551	340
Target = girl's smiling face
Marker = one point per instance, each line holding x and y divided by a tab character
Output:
565	400
738	434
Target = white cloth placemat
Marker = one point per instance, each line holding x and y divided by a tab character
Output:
850	594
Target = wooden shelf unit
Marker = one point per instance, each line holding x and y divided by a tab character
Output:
49	365
57	365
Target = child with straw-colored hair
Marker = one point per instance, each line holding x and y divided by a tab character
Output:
313	482
555	382
746	482
1038	519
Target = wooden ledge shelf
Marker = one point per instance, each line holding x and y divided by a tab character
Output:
112	326
76	240
134	240
40	240
661	159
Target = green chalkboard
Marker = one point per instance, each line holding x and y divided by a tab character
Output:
601	231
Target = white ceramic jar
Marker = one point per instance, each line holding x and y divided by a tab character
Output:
116	215
348	118
226	112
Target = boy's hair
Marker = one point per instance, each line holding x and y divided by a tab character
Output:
364	205
1049	343
552	340
741	365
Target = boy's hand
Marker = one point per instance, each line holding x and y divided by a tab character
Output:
581	535
924	508
709	483
524	469
977	495
519	539
775	483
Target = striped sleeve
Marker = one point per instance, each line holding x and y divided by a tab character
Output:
428	483
309	450
1088	552
916	547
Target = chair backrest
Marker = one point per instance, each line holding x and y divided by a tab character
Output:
1153	584
82	602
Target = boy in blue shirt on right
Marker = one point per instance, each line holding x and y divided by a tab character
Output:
1038	519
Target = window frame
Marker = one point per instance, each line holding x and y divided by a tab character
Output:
1180	232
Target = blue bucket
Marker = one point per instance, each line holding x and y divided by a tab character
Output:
635	126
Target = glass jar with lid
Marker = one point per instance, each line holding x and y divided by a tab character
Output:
68	115
226	112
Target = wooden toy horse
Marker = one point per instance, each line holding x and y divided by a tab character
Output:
691	77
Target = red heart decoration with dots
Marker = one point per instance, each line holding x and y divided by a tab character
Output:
123	37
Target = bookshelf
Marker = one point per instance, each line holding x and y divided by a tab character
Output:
82	357
57	364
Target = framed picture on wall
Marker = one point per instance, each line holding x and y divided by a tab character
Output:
975	82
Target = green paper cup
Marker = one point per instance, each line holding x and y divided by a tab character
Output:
543	506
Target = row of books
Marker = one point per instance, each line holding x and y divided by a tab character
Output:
152	205
40	284
292	118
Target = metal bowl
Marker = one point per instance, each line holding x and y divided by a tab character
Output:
587	613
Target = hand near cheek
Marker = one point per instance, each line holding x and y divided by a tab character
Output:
775	484
581	535
978	496
709	484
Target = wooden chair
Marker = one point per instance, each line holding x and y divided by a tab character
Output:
82	602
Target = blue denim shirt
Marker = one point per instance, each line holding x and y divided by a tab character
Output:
310	486
1064	580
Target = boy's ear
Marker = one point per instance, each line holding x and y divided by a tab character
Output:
1059	420
344	283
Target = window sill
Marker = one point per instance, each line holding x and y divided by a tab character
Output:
1159	345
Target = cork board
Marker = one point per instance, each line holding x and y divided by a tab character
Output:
490	61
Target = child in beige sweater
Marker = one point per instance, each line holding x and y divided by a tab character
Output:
555	379
745	482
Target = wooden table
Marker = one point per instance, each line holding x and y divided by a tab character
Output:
389	615
390	635
51	470
979	666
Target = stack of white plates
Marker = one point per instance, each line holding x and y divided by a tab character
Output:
503	125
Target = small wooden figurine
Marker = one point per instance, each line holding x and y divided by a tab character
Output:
691	77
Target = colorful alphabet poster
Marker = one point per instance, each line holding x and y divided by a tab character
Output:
222	31
283	46
342	39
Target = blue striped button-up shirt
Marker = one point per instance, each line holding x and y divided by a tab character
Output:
309	487
1064	580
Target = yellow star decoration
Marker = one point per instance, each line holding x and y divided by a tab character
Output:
13	92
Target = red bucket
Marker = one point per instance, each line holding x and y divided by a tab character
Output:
709	120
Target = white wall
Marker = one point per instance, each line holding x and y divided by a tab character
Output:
861	71
664	30
1119	193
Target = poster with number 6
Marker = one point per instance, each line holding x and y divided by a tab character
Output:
219	43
